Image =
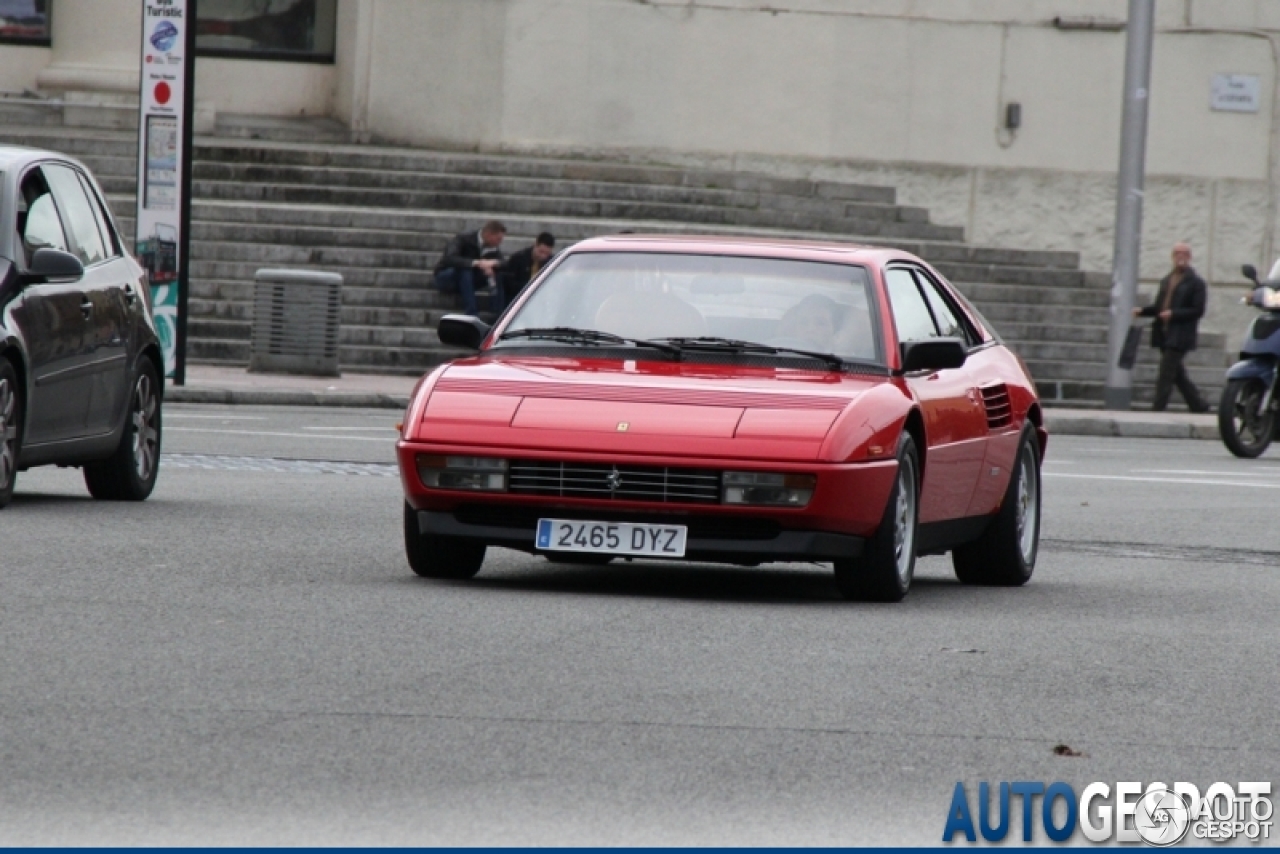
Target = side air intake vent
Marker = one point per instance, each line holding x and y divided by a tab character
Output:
999	411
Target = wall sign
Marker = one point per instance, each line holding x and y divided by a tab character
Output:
1235	93
163	221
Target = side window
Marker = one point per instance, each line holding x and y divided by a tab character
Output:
77	215
100	215
910	312
38	223
949	323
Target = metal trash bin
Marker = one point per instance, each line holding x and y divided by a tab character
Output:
296	322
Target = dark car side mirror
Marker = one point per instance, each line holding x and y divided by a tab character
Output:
933	354
1250	273
54	265
462	330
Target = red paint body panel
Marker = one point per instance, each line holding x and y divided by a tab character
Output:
635	419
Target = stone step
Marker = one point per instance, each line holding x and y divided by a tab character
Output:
1070	352
578	169
503	205
1092	393
547	188
983	293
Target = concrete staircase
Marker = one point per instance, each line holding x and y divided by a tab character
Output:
380	216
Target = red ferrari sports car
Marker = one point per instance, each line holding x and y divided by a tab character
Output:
742	401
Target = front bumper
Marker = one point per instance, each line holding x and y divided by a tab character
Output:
716	539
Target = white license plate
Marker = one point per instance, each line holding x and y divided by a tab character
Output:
618	538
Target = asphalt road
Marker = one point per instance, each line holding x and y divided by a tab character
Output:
246	659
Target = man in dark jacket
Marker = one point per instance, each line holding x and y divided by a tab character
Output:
472	258
1178	307
524	266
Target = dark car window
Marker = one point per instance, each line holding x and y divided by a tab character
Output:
911	313
950	322
38	224
100	215
77	214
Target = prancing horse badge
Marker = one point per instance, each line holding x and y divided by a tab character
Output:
622	426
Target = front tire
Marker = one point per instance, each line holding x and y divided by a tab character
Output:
10	430
129	474
884	571
1005	554
439	557
1245	430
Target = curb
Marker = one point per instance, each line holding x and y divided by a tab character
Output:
252	397
1062	424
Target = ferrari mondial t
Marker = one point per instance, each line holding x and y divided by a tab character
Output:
740	401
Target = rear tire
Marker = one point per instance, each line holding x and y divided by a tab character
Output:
1005	554
10	430
1245	431
439	557
883	573
130	473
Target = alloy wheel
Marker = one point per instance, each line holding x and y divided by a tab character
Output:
904	529
145	435
1028	505
8	431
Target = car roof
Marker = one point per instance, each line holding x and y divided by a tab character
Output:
18	156
770	247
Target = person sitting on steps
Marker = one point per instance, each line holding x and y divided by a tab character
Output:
472	256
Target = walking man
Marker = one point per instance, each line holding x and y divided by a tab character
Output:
1178	307
470	259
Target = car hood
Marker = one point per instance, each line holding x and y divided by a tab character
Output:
642	407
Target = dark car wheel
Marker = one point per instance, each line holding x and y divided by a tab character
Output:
883	573
130	473
439	557
10	429
1245	428
1005	554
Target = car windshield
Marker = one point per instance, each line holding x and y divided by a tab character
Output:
704	302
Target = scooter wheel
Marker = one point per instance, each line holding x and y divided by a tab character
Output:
1245	429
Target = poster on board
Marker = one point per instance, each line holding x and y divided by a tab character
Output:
164	168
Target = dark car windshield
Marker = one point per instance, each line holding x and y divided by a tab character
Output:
709	302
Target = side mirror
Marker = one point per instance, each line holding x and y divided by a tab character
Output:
462	330
54	265
933	354
1250	273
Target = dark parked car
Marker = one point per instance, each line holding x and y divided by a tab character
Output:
80	362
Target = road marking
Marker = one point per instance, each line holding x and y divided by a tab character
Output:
215	462
390	428
1218	472
168	413
387	439
1186	480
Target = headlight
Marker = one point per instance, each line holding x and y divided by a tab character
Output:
484	474
751	487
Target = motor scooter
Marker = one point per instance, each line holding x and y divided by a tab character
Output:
1247	413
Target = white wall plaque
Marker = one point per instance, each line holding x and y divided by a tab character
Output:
1234	93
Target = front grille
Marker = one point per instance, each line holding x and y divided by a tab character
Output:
614	482
700	527
999	411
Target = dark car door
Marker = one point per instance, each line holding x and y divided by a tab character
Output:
106	286
955	420
50	318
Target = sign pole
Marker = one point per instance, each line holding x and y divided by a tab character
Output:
1118	392
184	228
162	225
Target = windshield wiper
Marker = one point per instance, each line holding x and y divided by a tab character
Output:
574	335
734	345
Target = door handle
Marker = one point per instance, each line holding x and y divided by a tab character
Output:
86	308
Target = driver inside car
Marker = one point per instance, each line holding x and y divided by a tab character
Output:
809	324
